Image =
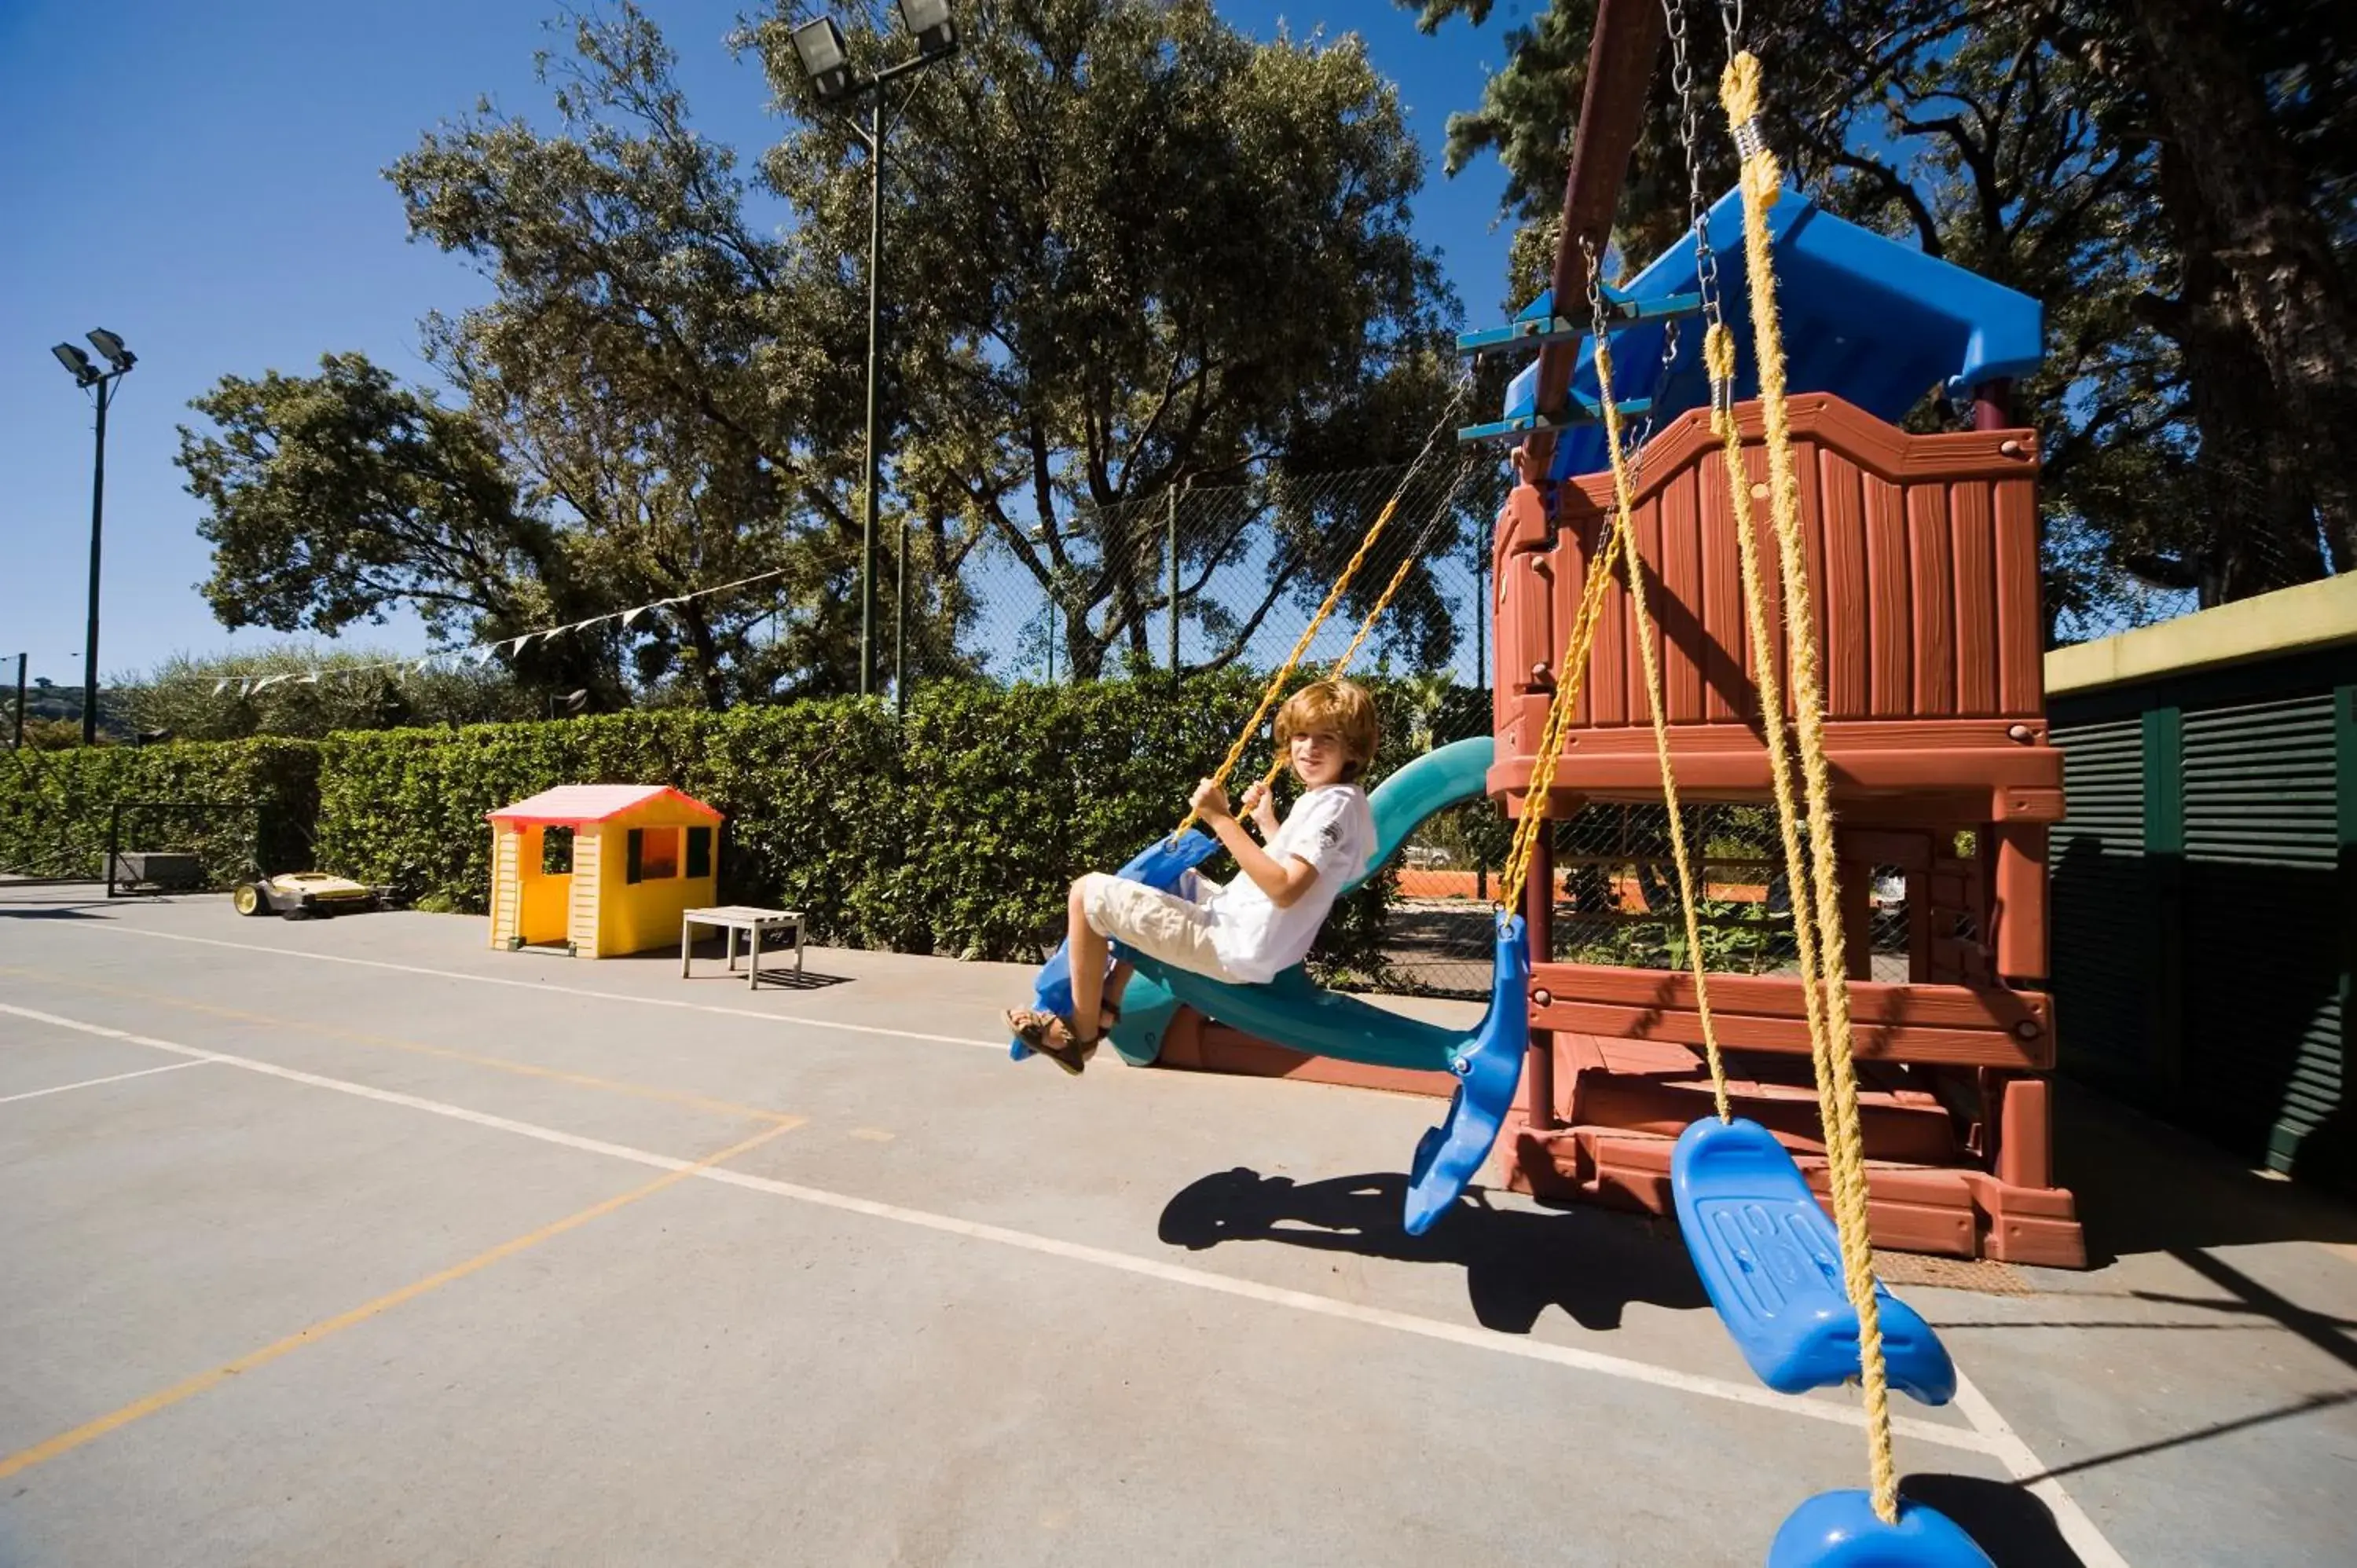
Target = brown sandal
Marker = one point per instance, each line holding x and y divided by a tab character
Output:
1048	1035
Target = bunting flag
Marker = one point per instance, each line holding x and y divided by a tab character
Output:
483	653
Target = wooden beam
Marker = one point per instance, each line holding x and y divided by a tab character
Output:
1622	54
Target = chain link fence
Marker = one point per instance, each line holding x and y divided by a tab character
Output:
1617	899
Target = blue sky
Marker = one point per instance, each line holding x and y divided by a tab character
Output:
204	180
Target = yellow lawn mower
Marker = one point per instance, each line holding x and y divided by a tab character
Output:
301	895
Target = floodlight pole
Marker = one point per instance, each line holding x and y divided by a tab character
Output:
875	336
103	391
873	134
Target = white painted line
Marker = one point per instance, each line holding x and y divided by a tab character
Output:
1524	1349
543	990
2070	1518
94	1082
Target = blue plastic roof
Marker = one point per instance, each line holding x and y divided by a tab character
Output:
1869	319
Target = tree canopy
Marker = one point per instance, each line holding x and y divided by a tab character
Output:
1126	247
2172	179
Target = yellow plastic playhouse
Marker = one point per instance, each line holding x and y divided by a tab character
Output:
600	869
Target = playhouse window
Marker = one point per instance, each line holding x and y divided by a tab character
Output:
699	852
556	851
653	855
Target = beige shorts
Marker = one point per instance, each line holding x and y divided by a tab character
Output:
1160	925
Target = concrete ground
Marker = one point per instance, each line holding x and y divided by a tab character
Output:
354	1242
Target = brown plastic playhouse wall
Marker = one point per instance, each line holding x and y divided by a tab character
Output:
1923	552
1922	557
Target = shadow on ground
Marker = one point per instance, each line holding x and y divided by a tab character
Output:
1517	1262
2012	1526
711	953
2144	1187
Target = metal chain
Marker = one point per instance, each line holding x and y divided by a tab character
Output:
1644	431
1682	81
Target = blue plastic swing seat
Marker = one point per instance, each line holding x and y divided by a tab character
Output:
1293	1011
1839	1530
1772	1262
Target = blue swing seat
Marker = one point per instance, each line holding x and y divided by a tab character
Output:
1771	1259
1839	1530
1292	1011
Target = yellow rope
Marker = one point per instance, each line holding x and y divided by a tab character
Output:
1301	645
1571	678
1845	1141
1718	355
1366	629
1718	349
1624	495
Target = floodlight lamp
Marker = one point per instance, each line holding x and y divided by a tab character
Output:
928	23
108	344
76	363
819	45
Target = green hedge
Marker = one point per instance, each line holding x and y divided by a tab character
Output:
807	790
955	830
55	806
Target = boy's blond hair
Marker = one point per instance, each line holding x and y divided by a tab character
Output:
1336	707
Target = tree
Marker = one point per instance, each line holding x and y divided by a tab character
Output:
646	368
332	498
1128	248
2134	167
313	690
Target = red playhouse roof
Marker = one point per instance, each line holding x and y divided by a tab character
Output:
570	805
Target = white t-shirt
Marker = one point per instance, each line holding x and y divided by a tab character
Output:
1330	829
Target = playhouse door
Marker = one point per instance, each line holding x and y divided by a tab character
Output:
545	865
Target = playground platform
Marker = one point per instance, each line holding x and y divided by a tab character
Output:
355	1241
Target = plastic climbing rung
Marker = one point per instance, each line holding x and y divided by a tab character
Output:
1580	410
1772	1262
1619	310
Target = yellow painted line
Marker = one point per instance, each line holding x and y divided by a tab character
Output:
90	1431
447	1053
872	1134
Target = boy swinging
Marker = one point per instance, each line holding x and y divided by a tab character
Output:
1252	929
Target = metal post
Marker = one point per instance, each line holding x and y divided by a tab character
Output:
1481	676
1992	405
875	324
1174	579
96	513
20	703
901	623
1538	931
